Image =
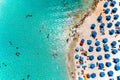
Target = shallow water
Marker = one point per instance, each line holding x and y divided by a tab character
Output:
33	47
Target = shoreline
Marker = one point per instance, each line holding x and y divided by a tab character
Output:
74	40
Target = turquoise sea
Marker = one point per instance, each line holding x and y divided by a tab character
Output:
32	44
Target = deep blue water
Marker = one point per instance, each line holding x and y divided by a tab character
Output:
27	44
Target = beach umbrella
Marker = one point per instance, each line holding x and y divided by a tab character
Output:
83	40
93	75
89	42
99	57
118	31
114	10
113	44
94	33
106	48
118	77
107	56
80	78
113	3
91	57
116	60
76	56
92	66
108	64
97	43
105	40
111	32
77	49
93	26
110	73
109	25
114	51
102	25
99	18
102	74
81	58
117	67
108	17
98	49
105	4
90	49
88	76
101	65
116	17
117	23
107	11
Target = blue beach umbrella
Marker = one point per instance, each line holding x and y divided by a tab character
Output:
99	18
93	26
116	60
107	56
89	42
110	73
114	10
97	43
105	4
92	66
113	44
76	56
99	57
117	23
93	75
77	49
80	78
91	57
102	74
90	49
111	32
109	25
113	3
107	11
83	40
88	76
114	51
106	48
108	17
117	67
116	17
108	64
102	25
118	31
94	33
105	40
101	65
98	49
118	77
81	58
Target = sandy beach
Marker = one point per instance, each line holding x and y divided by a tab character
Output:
83	31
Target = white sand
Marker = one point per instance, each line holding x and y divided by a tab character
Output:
84	31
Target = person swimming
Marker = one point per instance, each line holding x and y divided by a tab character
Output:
10	42
17	53
28	15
